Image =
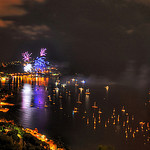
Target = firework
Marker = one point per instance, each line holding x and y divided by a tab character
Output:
28	68
42	52
26	56
40	64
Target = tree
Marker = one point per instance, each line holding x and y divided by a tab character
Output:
6	143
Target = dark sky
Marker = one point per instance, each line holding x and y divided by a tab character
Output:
93	36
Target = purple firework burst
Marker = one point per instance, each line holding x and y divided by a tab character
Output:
26	56
42	52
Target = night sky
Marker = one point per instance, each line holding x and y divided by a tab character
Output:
93	36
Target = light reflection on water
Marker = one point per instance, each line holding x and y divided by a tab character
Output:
39	96
87	103
26	96
89	126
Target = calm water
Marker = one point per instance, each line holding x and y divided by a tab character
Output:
41	103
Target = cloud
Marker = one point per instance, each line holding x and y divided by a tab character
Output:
35	31
14	7
130	31
5	23
11	8
146	2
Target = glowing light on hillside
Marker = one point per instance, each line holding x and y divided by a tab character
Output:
42	52
63	85
26	56
3	79
83	82
73	80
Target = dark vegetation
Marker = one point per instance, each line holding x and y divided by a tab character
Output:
106	147
12	68
13	137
